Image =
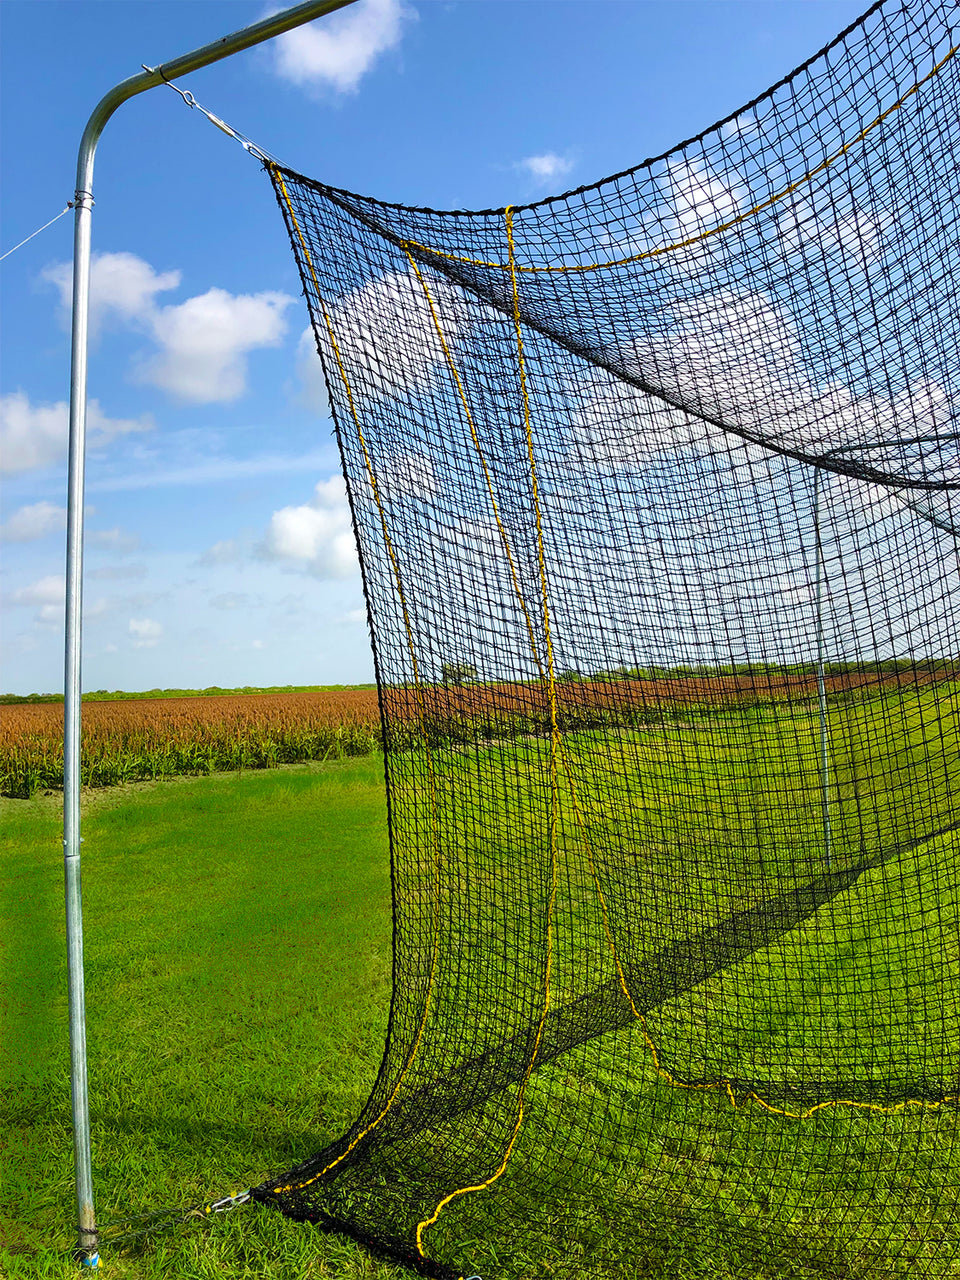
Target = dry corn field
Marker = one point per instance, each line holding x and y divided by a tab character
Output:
149	738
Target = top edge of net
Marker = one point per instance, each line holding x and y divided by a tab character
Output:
902	6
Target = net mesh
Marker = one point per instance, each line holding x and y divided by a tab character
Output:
655	491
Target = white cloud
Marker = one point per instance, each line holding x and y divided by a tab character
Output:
121	285
118	572
736	357
742	125
228	600
49	590
860	235
227	551
407	474
338	50
942	510
858	501
729	349
36	435
146	632
205	340
855	233
921	409
203	343
318	535
386	328
113	540
32	436
730	356
797	224
34	521
701	200
546	167
619	426
47	596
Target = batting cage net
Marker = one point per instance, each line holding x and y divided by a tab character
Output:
655	492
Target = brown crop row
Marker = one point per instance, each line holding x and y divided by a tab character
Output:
657	697
178	716
160	737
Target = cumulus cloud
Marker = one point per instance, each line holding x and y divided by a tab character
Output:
544	168
47	590
36	435
46	595
227	551
228	600
204	343
942	510
34	521
701	200
736	357
857	501
118	572
855	233
726	350
122	286
316	536
860	235
697	200
387	329
115	539
407	475
615	424
741	125
338	51
735	354
146	632
728	355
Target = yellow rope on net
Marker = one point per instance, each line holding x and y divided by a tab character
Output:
566	767
408	626
555	746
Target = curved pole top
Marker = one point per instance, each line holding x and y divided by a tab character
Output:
245	38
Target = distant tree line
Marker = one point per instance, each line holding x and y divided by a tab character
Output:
703	671
119	695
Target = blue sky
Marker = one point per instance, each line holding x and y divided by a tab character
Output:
219	550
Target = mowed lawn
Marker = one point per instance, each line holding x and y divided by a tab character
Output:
238	981
238	962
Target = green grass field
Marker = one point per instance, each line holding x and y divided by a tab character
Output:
238	979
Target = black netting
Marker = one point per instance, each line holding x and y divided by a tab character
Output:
655	488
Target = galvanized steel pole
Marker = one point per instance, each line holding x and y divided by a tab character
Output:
275	25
